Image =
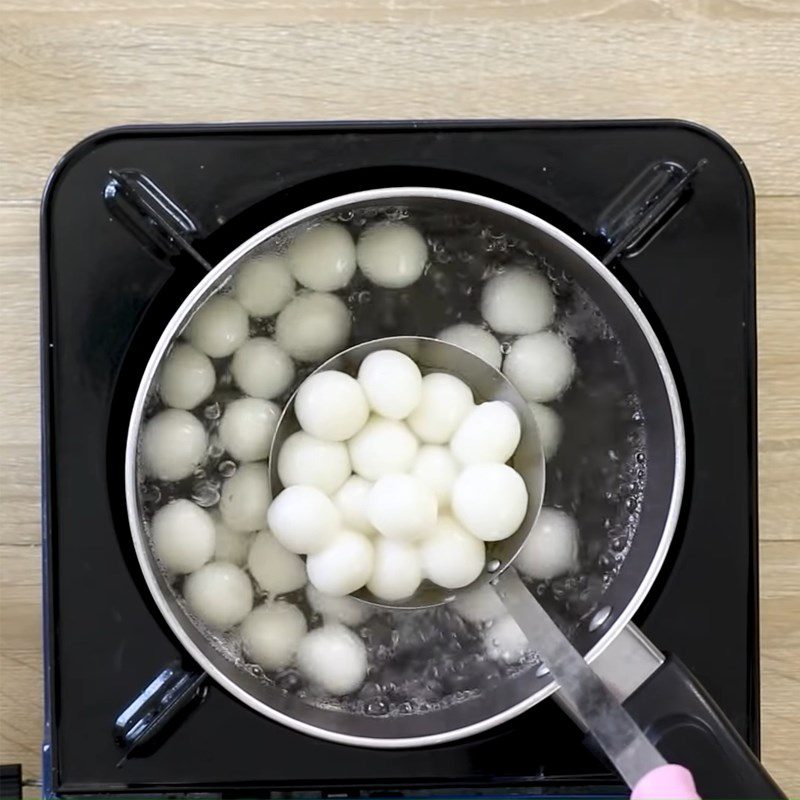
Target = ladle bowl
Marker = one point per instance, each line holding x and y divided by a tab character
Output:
487	383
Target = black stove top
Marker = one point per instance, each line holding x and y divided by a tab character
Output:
111	278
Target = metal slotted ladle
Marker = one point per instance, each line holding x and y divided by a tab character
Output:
589	698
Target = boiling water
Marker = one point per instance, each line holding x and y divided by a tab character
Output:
422	661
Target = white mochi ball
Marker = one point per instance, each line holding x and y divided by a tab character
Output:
323	257
344	566
518	301
396	571
438	469
173	444
276	570
489	433
313	326
187	377
271	634
475	339
391	382
308	461
402	507
333	658
479	605
540	366
392	254
351	500
451	557
303	519
220	594
247	427
444	403
551	548
346	610
183	536
261	368
550	426
382	447
263	285
218	327
505	641
245	497
331	405
490	500
231	545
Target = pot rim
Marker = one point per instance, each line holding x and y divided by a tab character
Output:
210	284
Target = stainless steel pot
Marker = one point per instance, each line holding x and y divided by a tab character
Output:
606	638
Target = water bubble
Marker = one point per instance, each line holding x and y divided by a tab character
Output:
599	618
345	216
640	458
396	214
205	494
505	348
150	493
619	543
226	468
377	708
212	411
257	671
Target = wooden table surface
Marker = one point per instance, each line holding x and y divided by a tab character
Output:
70	67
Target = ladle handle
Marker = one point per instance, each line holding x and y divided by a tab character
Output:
592	702
682	720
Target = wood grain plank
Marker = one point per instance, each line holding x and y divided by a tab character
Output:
778	304
68	73
19	384
336	11
780	651
21	688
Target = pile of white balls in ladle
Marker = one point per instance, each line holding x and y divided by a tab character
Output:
394	478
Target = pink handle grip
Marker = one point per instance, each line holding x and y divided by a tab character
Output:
670	782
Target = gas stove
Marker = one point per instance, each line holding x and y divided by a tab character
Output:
133	217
